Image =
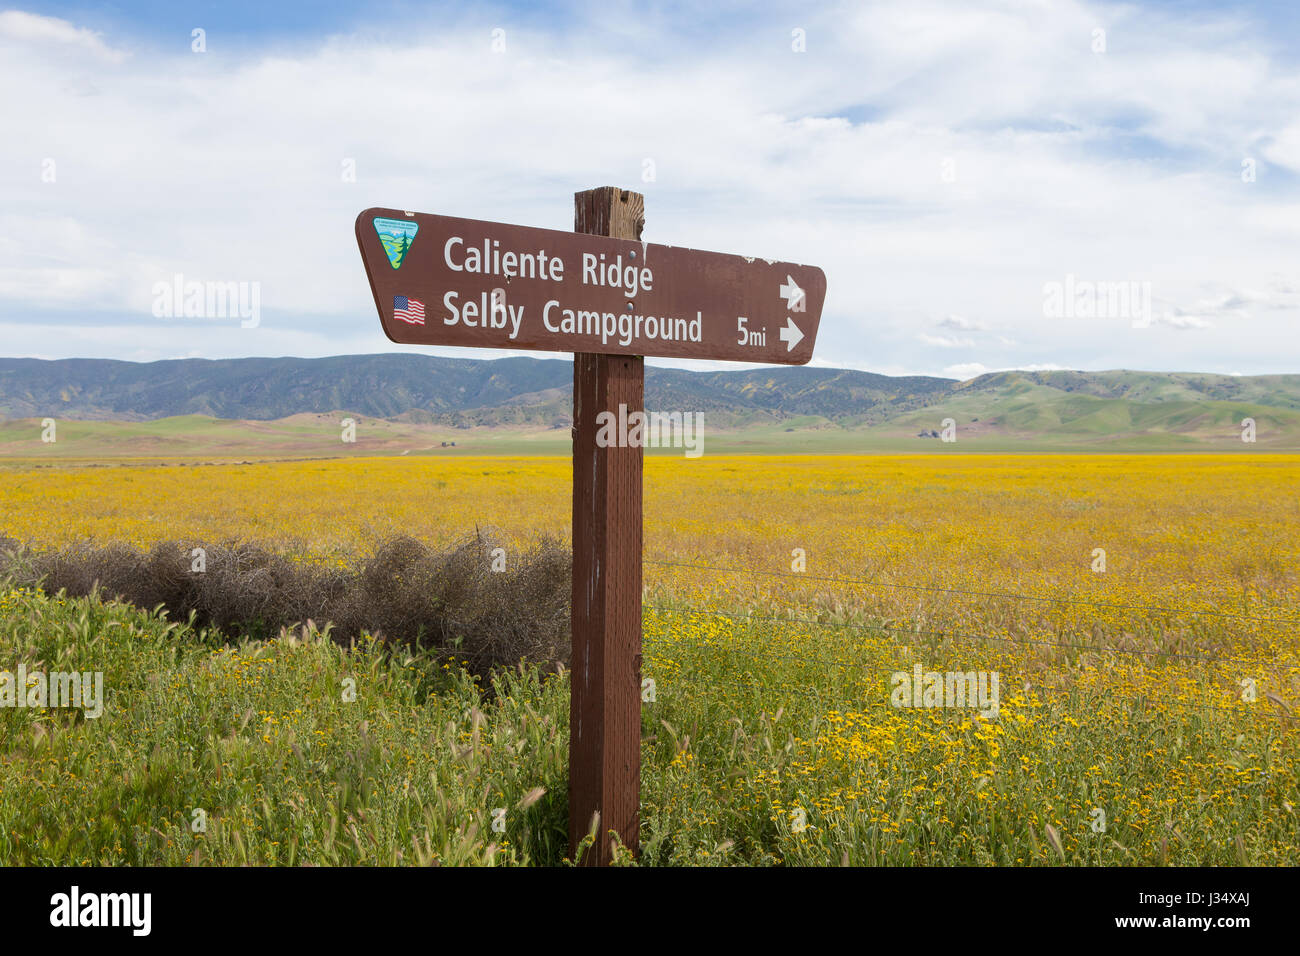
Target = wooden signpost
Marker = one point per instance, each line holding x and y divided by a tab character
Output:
611	299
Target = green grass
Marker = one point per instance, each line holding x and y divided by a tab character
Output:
190	437
259	737
1020	417
745	732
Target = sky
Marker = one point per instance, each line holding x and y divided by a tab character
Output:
952	167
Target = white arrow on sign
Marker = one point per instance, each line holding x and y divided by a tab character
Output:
793	295
791	335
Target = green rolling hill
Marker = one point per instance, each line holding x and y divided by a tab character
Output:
416	404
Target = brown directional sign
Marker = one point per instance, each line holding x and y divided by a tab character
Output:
444	281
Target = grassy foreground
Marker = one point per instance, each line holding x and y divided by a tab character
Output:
756	750
260	738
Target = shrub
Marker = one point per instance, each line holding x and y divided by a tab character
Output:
406	591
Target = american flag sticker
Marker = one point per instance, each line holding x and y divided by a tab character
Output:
408	309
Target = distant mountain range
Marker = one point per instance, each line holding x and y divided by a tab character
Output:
411	387
419	389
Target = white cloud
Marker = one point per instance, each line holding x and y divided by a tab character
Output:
965	370
51	34
969	370
961	323
946	341
1124	164
1283	148
1182	321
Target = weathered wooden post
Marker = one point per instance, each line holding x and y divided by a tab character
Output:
610	299
605	676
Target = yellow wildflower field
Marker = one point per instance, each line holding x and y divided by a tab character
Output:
1139	612
1189	532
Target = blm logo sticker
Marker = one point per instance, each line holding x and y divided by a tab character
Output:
396	236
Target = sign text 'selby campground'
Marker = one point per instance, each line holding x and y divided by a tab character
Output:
439	280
